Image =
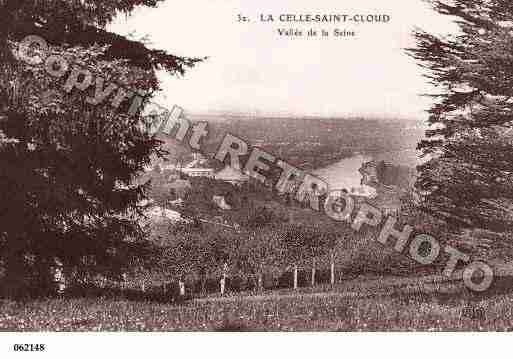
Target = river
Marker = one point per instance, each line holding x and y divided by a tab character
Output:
344	174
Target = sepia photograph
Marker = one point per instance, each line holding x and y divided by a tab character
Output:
334	167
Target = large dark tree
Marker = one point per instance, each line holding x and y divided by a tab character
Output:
67	167
468	179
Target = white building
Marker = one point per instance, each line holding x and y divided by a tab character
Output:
231	175
198	172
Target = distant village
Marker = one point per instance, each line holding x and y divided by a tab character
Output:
177	180
382	184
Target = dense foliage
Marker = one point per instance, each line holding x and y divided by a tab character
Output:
468	179
68	167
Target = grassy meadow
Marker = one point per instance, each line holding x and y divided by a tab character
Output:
362	304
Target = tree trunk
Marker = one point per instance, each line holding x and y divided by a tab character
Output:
46	279
58	277
253	279
222	285
295	276
124	281
332	269
181	286
203	283
223	279
313	272
15	274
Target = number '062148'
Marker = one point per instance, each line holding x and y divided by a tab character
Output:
29	347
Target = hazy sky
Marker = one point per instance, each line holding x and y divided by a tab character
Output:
251	68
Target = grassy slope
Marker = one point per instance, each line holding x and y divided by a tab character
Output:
361	304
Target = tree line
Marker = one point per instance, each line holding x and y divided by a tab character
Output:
264	244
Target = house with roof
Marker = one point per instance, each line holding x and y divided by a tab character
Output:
198	167
198	172
231	175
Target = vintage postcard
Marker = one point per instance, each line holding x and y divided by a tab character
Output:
243	166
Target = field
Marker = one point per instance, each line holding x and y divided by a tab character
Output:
361	304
